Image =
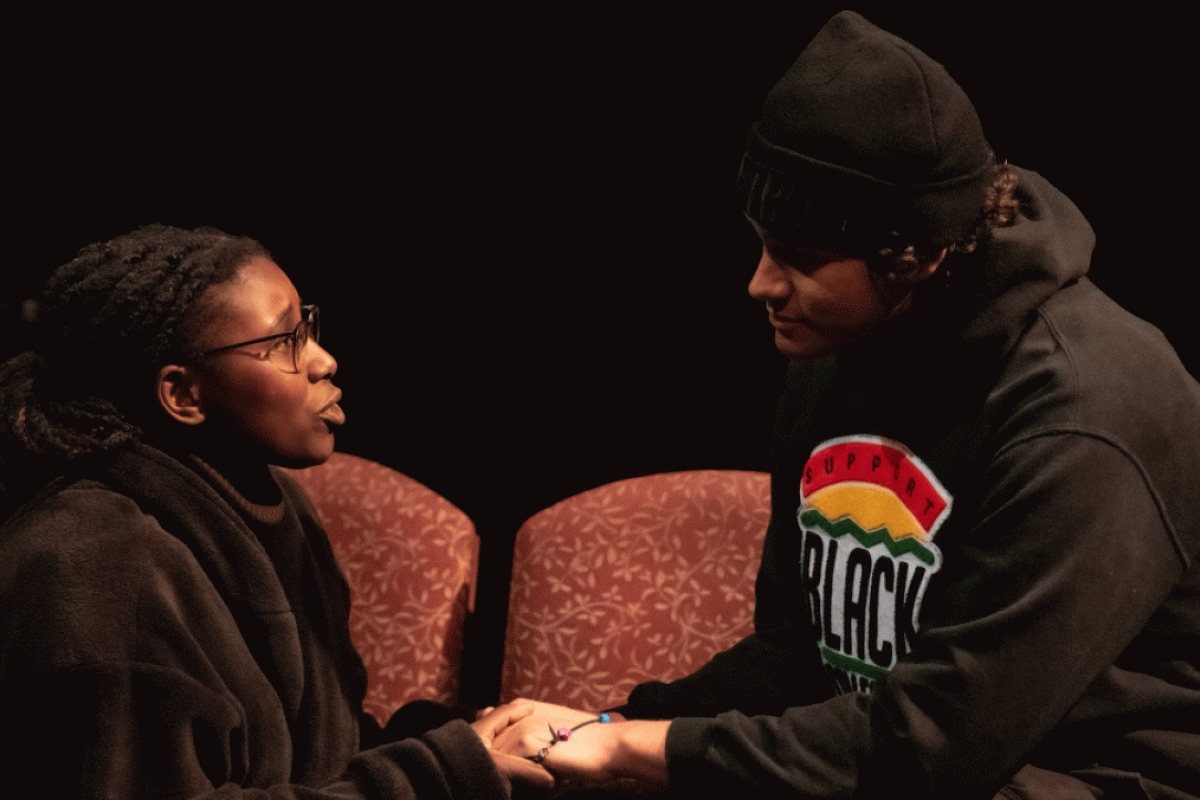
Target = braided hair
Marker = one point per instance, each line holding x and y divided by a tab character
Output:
106	322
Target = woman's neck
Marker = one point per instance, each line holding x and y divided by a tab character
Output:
245	482
249	487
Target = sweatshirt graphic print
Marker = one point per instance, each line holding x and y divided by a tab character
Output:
868	513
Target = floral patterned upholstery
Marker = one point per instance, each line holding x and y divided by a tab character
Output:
411	559
642	579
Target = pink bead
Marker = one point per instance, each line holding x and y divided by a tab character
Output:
563	733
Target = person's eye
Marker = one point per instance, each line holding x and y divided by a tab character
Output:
798	258
282	343
804	259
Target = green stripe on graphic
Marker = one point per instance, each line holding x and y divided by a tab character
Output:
842	527
847	664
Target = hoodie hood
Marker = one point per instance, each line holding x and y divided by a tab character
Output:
958	334
1019	267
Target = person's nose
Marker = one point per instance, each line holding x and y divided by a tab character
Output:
320	362
770	283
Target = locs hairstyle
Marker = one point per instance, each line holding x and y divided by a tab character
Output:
107	321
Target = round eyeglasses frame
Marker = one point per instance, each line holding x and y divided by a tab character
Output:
309	327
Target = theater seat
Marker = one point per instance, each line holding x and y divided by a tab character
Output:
411	559
641	579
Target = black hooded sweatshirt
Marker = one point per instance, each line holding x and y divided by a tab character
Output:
982	553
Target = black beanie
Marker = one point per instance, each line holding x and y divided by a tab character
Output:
864	136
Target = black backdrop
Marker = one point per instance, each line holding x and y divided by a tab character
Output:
518	222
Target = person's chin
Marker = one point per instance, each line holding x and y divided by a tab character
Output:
312	456
798	349
322	454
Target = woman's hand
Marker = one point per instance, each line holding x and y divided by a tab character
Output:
494	721
592	754
561	716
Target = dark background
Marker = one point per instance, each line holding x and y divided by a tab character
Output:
518	222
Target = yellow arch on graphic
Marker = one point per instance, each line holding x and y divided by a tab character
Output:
871	506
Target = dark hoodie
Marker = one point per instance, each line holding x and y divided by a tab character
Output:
161	639
982	553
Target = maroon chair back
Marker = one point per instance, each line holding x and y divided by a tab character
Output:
641	579
411	559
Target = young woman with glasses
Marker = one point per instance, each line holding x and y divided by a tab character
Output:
172	619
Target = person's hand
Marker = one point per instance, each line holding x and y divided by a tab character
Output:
493	721
632	753
572	716
548	713
581	758
594	754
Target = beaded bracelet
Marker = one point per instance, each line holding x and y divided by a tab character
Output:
561	735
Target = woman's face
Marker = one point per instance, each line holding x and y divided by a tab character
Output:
280	415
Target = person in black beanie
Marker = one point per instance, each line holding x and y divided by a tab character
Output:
980	576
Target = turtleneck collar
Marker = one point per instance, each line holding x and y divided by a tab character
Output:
252	491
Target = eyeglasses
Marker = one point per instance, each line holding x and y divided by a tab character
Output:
288	346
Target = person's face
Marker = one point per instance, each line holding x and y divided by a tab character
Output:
253	392
819	301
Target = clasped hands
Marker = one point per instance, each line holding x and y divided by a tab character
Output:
592	754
